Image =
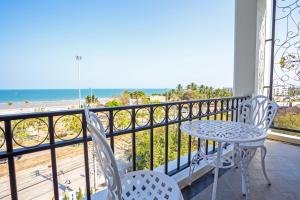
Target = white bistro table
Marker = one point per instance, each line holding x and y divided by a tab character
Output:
222	132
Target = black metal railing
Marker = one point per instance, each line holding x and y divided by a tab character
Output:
60	129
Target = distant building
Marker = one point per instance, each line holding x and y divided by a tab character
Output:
281	91
228	88
135	101
158	98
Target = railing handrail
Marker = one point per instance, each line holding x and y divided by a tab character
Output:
103	109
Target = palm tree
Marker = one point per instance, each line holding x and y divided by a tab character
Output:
91	99
179	88
193	86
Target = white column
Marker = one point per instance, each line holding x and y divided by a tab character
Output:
249	47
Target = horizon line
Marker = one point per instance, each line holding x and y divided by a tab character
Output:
78	88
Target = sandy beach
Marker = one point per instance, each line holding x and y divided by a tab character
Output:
40	106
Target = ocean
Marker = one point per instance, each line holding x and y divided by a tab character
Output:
30	95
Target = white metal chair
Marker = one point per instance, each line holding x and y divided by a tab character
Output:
258	111
137	185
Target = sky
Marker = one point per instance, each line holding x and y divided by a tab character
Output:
123	43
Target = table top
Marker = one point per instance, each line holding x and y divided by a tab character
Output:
223	131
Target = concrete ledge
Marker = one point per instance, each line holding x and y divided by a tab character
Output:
283	137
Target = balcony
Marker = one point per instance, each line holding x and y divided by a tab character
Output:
50	155
56	159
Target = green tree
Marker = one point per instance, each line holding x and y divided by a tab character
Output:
192	91
173	95
179	87
65	197
124	98
288	120
191	86
138	96
292	92
91	99
71	124
190	94
80	195
122	119
113	103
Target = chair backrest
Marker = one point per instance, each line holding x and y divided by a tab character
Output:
105	156
93	119
259	111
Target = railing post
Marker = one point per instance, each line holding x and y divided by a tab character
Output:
215	118
200	118
237	109
111	130
151	137
179	136
190	137
232	109
11	162
207	117
227	109
86	157
166	139
53	157
133	140
222	108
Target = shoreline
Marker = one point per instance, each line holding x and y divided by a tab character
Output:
40	106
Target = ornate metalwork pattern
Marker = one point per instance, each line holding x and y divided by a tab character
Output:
287	44
159	115
258	111
122	120
30	132
185	111
218	106
212	107
149	185
142	116
227	161
195	109
104	117
204	108
68	127
173	112
223	131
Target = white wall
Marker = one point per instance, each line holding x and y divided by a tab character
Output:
249	46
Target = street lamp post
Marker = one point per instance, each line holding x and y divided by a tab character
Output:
79	58
91	96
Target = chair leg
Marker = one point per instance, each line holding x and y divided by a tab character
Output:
263	151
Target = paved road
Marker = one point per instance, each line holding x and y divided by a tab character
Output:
36	183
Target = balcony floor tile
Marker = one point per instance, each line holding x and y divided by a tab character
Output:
283	168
